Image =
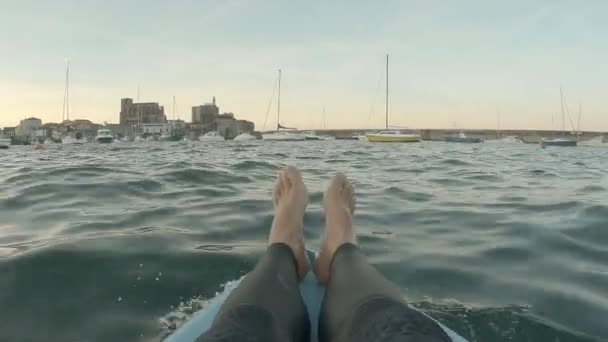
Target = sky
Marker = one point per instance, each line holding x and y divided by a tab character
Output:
453	63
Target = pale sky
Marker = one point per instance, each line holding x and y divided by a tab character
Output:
454	63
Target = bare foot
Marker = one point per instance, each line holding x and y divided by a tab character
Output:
339	204
290	201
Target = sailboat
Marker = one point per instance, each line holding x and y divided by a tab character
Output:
282	133
68	139
172	132
561	140
391	135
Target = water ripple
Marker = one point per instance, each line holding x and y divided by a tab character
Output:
501	243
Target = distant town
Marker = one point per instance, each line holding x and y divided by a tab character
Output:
147	121
144	120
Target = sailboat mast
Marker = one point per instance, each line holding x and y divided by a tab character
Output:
279	104
386	103
67	91
138	107
65	114
580	112
173	107
324	119
561	95
498	127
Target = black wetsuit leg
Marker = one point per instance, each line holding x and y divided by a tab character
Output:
266	306
360	305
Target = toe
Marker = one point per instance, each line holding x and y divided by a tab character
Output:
339	181
279	188
349	196
292	175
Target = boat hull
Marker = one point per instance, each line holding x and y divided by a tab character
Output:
561	143
104	140
382	138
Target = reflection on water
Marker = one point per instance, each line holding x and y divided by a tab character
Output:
124	242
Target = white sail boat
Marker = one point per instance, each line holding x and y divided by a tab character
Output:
75	138
392	135
562	140
282	133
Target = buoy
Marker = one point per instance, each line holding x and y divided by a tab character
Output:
542	145
40	147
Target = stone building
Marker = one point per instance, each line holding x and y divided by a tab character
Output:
207	118
244	126
225	124
204	116
141	113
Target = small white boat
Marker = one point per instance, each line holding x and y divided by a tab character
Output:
312	135
69	140
139	138
246	136
211	136
104	136
4	142
284	136
560	141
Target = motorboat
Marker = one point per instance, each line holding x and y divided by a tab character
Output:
211	136
560	141
104	136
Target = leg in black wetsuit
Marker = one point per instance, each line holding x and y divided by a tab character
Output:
360	305
267	305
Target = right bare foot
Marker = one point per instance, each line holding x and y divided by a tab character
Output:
339	204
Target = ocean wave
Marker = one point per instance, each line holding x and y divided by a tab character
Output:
257	165
201	176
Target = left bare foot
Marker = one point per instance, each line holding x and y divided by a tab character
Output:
290	201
